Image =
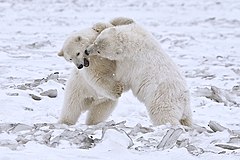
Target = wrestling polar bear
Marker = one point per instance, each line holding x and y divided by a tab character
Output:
91	87
150	73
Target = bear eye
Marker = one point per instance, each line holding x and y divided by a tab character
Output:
78	53
98	52
70	59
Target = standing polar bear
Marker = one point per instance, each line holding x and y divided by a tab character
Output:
150	73
91	86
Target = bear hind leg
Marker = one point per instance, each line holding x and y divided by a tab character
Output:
159	119
164	114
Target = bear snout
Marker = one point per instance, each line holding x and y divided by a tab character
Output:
80	66
86	52
90	50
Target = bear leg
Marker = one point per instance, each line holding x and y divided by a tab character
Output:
100	112
162	113
75	101
70	113
161	119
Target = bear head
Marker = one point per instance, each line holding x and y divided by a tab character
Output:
109	44
75	46
73	49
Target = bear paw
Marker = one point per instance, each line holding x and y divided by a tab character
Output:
88	101
118	89
99	27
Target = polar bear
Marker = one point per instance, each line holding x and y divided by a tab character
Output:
91	86
149	72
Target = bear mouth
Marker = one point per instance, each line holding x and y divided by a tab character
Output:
85	62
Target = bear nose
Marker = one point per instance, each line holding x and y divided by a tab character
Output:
86	52
80	66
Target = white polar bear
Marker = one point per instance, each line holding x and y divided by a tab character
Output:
91	87
150	73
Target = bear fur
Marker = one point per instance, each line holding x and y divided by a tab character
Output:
149	72
91	86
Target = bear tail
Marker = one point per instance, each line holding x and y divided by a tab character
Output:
121	21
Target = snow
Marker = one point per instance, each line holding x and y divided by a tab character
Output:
202	37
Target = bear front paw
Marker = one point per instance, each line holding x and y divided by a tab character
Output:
65	121
88	101
118	90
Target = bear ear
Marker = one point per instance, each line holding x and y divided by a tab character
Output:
78	38
60	53
119	51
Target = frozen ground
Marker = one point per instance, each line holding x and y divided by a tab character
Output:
202	37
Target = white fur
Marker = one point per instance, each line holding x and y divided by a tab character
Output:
150	73
81	97
89	89
94	88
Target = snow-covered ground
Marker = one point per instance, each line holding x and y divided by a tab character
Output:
202	37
